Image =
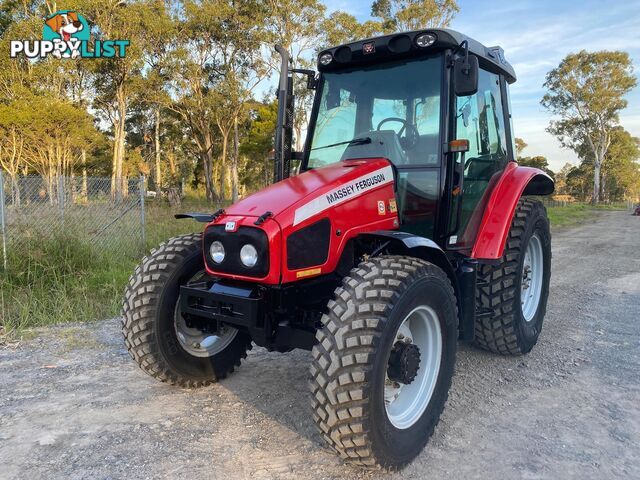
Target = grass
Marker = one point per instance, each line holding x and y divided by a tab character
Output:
66	276
576	213
571	214
62	278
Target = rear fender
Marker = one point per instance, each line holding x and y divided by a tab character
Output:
515	182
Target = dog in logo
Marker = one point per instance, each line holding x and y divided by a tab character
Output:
66	25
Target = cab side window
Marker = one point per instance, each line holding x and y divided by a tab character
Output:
480	119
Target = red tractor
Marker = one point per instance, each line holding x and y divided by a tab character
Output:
404	227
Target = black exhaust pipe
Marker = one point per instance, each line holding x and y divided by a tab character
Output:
284	127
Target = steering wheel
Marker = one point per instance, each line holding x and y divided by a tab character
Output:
412	136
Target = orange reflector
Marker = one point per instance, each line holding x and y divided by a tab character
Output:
308	273
461	145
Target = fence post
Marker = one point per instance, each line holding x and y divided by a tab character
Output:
61	195
3	224
142	219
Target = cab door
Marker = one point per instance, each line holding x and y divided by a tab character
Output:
480	119
418	179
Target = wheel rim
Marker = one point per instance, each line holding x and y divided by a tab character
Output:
405	404
196	342
532	272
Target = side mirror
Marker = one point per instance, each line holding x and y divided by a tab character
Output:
465	75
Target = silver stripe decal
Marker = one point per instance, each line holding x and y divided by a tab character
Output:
343	193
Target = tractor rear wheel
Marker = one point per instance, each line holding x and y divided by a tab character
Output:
159	339
383	363
512	295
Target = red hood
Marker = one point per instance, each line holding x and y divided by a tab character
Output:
356	196
291	191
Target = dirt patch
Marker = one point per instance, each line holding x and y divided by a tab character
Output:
74	405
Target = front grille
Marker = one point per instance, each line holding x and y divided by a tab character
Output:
233	242
309	246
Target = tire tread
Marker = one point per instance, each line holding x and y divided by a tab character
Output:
342	358
141	297
498	287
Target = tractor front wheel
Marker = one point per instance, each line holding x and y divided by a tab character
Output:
163	343
512	295
384	360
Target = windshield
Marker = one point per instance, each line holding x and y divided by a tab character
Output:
389	110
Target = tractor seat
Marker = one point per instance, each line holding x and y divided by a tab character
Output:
481	169
384	143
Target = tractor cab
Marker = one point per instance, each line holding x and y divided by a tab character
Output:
405	98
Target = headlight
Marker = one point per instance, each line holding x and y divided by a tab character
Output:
248	255
217	251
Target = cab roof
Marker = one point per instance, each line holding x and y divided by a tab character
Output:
402	45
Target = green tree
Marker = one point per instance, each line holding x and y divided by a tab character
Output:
12	11
520	146
561	179
402	15
241	67
342	27
259	144
295	24
58	131
217	66
538	161
192	87
620	169
579	181
298	26
159	38
26	88
586	91
116	79
14	119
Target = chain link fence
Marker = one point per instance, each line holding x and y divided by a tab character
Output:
557	203
78	209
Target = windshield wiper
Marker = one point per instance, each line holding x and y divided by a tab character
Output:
354	141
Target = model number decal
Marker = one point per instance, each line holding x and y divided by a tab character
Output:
343	193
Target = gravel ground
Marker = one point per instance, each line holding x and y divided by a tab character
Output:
73	404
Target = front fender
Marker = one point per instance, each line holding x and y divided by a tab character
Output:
463	279
496	221
414	245
404	243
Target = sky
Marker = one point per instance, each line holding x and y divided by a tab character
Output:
536	36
